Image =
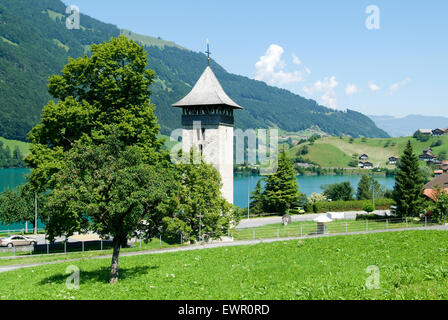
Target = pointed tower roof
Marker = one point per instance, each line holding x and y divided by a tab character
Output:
207	91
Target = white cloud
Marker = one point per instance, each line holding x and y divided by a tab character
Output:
270	68
296	60
326	87
351	89
397	85
373	87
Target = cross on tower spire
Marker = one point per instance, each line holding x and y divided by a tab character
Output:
208	52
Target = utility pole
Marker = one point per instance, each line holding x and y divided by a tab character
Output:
248	196
35	213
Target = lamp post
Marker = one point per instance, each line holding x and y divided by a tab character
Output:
200	216
248	196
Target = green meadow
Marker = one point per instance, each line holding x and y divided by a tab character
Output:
337	152
411	265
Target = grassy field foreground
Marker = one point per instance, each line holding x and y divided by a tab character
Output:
412	265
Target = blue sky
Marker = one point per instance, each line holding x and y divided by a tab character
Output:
318	49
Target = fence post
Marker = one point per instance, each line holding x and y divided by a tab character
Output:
48	247
278	232
141	242
65	246
254	234
387	224
14	250
301	231
160	238
82	243
346	227
407	222
181	239
367	225
101	244
426	220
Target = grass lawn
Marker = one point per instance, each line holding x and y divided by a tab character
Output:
412	265
12	144
336	152
76	253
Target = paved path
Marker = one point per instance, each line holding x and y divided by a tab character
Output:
213	245
258	222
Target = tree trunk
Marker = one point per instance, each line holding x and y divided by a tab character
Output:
114	266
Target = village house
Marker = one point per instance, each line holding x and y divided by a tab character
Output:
427	132
427	155
438	132
443	167
434	132
433	188
438	173
363	157
367	165
393	160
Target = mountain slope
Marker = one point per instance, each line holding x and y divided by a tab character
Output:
35	44
406	126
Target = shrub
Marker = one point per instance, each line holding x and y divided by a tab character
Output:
368	207
356	205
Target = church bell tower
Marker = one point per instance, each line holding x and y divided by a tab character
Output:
207	126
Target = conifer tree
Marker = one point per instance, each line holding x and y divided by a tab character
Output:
408	185
282	190
256	205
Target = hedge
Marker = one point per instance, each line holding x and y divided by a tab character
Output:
355	205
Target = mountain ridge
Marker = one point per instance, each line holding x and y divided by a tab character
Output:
406	126
38	45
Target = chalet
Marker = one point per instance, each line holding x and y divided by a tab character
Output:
433	188
438	132
425	131
393	160
438	173
368	165
428	157
363	157
361	164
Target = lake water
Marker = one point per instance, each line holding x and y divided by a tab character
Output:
307	185
243	185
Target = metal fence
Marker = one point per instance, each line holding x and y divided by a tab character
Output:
311	228
295	229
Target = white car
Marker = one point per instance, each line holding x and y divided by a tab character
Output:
16	241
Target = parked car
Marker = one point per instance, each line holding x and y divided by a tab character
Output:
16	241
298	210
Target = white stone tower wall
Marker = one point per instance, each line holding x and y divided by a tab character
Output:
217	142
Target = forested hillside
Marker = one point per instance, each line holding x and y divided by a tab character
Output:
35	43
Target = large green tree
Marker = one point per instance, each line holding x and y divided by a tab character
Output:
202	212
339	191
95	94
18	205
408	184
102	106
369	188
257	198
109	189
282	189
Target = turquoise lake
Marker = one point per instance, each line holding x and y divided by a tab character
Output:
243	185
307	185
